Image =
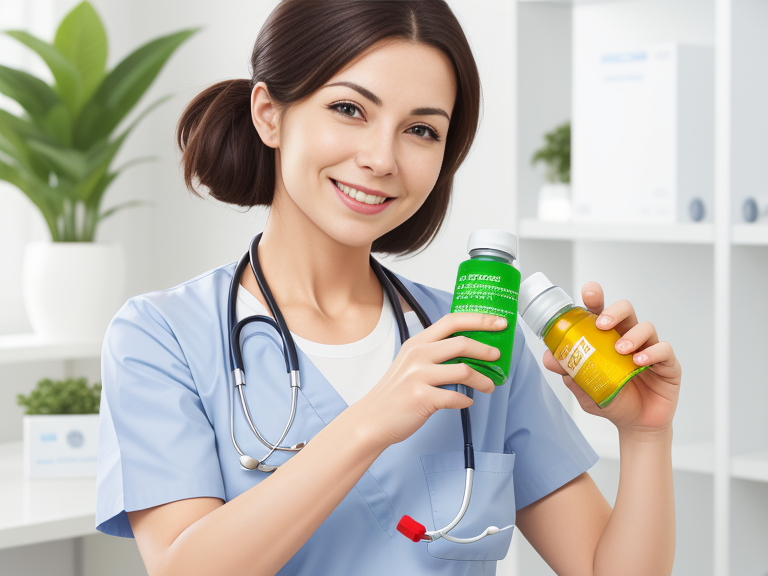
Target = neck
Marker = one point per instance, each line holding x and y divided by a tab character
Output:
305	267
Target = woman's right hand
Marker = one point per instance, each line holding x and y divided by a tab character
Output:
407	395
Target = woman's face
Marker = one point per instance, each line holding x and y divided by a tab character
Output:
387	135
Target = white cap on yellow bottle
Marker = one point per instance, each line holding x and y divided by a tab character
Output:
539	300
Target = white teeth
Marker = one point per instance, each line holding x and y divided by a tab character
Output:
360	196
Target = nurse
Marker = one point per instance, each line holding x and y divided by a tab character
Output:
354	122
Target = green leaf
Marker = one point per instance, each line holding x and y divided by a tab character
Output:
556	154
101	155
123	87
15	133
34	95
85	189
68	83
67	162
58	123
42	104
82	40
41	195
96	190
70	396
23	128
94	198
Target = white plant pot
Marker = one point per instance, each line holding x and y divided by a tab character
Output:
554	202
73	289
60	445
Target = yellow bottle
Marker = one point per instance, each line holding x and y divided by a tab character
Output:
585	351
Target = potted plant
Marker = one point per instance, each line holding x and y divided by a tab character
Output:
58	152
554	203
61	428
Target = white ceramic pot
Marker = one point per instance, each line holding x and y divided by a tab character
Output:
73	289
554	202
60	445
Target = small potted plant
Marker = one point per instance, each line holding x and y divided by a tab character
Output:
61	428
554	203
59	152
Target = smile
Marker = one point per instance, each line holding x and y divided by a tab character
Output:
361	197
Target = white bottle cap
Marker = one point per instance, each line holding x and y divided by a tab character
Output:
539	300
493	239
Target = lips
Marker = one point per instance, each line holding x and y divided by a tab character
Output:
356	206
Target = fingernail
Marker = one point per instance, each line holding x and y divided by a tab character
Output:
640	358
500	321
624	344
589	293
604	320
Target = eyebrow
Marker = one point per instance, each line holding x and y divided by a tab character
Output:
376	100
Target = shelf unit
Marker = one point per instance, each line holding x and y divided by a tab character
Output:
33	511
701	284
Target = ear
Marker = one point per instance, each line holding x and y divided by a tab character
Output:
264	115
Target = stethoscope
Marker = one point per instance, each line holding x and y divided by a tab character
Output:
390	283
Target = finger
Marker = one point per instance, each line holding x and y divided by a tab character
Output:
619	315
553	365
636	338
461	346
460	374
661	358
459	322
593	297
443	398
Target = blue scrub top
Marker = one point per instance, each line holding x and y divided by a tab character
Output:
164	435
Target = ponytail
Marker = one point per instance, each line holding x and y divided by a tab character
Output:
222	149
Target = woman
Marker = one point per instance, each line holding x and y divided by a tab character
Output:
372	100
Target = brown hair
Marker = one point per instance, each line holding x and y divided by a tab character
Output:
292	55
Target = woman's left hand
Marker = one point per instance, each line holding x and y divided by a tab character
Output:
648	401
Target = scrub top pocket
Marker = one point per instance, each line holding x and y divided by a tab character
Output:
492	503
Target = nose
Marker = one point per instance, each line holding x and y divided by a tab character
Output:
379	152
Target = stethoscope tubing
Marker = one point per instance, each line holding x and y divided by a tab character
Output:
391	285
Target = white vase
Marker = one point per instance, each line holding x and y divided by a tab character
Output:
73	289
554	202
60	445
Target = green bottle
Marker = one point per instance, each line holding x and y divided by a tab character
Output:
489	283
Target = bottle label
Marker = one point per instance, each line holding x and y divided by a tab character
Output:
488	287
573	360
484	293
588	354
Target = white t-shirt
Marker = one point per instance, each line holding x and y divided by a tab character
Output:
354	368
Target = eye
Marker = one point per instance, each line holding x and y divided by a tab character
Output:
434	135
345	105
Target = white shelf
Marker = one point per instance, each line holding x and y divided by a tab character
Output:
753	466
683	233
41	510
750	234
686	456
31	348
